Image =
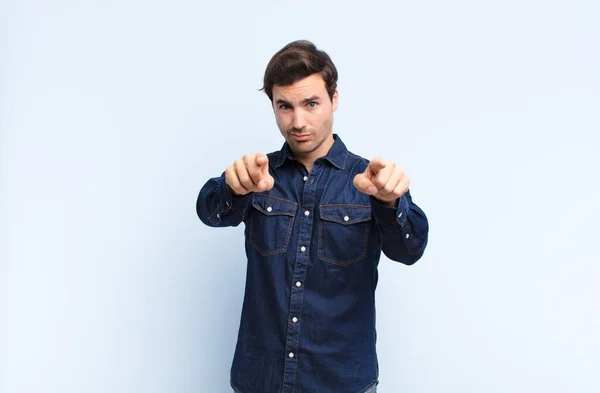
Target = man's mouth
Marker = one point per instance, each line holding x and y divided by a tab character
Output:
300	137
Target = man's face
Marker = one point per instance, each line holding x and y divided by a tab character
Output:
304	115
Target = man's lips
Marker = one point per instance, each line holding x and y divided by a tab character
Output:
300	137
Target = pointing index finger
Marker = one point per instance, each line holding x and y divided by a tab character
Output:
377	164
261	159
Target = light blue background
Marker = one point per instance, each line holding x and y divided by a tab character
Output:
113	114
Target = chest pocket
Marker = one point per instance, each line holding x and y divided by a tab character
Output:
343	233
270	224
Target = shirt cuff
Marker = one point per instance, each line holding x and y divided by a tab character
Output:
228	201
391	216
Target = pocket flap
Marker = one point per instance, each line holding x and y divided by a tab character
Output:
272	206
345	214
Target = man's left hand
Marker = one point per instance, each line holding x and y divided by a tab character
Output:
383	180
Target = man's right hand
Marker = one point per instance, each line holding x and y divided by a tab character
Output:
249	174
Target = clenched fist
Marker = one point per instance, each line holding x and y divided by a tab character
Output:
383	180
249	174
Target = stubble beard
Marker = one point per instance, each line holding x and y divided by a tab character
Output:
306	148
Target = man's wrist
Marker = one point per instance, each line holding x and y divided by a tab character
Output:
233	193
393	203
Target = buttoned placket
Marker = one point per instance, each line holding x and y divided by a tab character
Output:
306	218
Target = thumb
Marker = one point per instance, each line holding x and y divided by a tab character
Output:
266	183
364	185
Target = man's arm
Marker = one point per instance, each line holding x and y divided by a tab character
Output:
404	229
218	207
224	201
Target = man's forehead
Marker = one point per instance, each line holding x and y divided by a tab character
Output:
300	90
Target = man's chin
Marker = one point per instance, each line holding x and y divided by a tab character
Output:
302	147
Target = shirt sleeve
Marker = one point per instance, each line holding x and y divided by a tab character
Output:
404	229
218	207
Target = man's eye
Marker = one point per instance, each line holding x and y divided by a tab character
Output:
312	105
283	107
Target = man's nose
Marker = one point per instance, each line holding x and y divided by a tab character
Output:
298	122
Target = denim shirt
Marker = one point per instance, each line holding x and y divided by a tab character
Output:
313	244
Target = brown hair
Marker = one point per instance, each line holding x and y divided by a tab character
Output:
296	61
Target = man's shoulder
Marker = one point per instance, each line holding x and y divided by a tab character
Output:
357	157
356	162
274	156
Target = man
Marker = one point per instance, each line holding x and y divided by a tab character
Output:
316	220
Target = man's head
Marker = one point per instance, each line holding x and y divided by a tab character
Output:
301	83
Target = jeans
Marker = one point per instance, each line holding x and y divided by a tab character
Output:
372	390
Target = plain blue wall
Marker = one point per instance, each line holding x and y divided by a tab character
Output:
114	114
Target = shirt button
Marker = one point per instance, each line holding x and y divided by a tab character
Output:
305	178
218	215
302	248
400	215
291	355
294	319
346	218
407	235
269	209
298	284
307	213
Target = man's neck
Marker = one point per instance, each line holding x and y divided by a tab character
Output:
309	160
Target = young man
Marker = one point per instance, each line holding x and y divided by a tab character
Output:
316	220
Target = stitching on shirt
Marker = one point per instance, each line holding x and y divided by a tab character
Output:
326	217
289	326
285	244
259	196
343	263
304	280
346	205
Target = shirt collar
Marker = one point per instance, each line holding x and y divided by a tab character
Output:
336	155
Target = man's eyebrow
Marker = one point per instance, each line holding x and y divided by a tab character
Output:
304	101
309	99
282	101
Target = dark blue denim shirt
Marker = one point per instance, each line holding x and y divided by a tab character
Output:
313	243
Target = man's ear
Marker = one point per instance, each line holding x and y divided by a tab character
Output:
334	100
